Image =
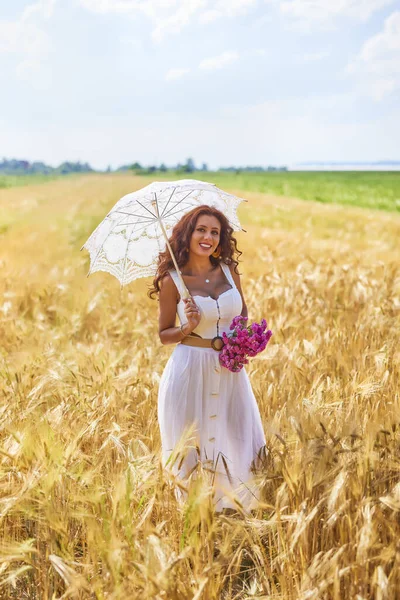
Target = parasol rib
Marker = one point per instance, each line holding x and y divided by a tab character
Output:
169	199
121	212
171	214
176	204
145	208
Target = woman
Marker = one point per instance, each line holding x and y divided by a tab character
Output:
194	388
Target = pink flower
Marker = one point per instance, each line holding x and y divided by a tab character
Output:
245	340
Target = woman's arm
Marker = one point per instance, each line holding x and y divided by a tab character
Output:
236	279
168	333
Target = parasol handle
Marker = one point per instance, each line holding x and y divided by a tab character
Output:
186	293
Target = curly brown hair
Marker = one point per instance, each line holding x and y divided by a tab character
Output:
180	240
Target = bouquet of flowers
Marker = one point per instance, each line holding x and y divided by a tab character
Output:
245	340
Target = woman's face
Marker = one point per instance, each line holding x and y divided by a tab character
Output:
205	237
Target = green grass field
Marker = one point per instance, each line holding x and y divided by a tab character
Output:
376	189
9	181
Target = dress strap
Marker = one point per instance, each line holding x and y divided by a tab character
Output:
228	274
177	281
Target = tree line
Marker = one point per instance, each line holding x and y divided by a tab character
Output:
24	167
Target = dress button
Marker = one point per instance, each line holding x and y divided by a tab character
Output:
211	440
216	369
213	416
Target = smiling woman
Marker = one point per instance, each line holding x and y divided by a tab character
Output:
196	392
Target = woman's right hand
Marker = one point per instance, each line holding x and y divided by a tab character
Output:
192	313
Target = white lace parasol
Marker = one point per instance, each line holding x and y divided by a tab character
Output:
128	241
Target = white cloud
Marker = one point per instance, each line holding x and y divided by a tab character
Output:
177	21
28	42
377	67
233	8
218	62
168	16
325	13
114	6
226	8
42	8
171	16
210	15
213	63
173	74
20	37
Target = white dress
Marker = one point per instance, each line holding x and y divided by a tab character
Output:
196	389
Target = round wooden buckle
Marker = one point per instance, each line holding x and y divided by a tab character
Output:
217	343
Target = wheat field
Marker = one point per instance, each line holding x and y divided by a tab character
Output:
86	510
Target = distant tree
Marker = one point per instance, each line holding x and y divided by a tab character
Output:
70	167
15	167
227	169
180	168
40	167
204	167
163	168
190	166
64	168
24	167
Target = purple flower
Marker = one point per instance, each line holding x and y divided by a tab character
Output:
245	340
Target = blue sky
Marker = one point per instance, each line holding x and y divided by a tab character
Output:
224	81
